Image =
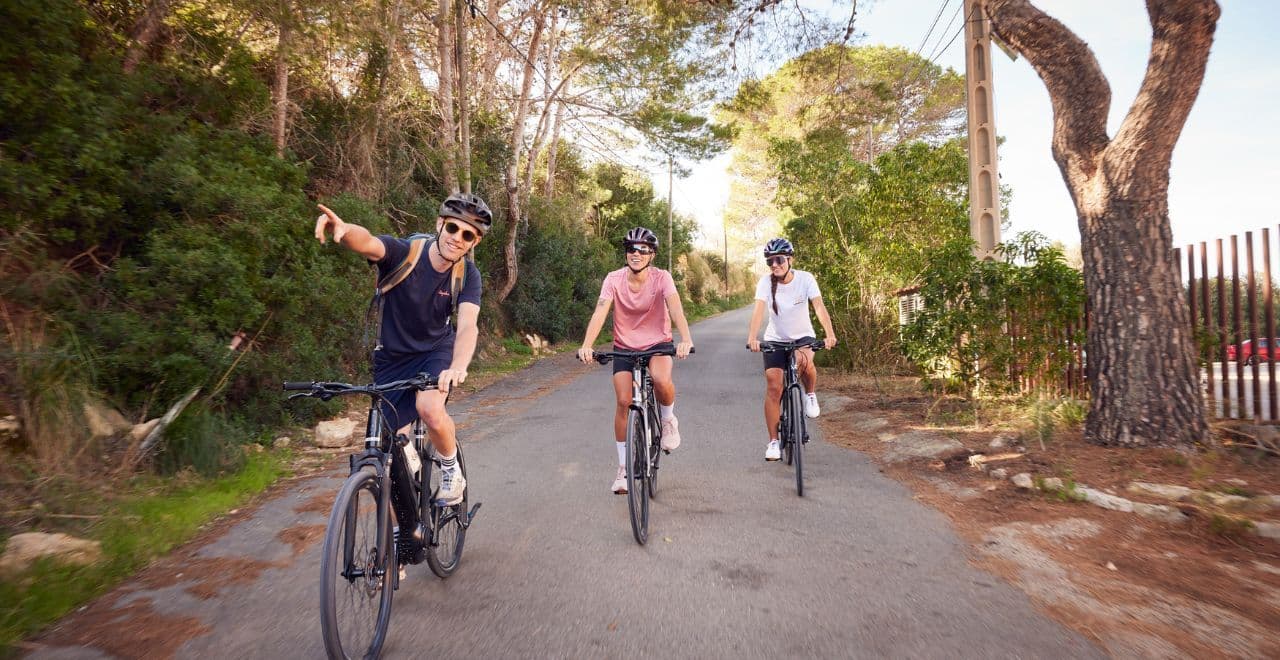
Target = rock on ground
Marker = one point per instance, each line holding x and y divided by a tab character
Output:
24	549
334	433
919	444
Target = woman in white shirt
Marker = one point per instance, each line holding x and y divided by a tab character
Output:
786	293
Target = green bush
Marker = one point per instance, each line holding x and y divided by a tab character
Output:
561	275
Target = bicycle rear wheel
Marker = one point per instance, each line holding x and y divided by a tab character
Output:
637	477
450	527
356	570
797	439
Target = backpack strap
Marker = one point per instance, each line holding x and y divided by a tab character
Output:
395	277
456	279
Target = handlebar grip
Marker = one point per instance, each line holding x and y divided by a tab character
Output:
290	385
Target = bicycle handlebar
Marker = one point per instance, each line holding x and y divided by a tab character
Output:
778	346
328	390
603	357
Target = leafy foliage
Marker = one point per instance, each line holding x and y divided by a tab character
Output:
988	323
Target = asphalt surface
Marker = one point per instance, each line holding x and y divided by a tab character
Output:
736	566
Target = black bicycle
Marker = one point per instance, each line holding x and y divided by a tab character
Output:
793	434
364	547
644	437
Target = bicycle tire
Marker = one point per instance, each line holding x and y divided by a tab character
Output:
797	438
637	483
450	534
785	427
349	516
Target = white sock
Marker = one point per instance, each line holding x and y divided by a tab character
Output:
622	453
450	462
813	396
666	412
772	440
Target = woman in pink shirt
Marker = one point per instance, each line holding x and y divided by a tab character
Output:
645	301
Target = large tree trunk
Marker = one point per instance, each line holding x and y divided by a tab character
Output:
486	76
144	33
511	177
1144	382
463	96
281	124
550	184
448	128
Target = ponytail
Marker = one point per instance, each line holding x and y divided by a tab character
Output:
774	292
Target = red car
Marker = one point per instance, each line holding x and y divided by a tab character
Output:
1247	353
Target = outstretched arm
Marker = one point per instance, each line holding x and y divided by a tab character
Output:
593	328
676	308
354	237
825	319
464	346
753	328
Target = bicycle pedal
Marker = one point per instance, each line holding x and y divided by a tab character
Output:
666	451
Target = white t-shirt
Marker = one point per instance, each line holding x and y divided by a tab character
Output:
791	322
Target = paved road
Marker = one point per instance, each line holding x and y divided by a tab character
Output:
737	565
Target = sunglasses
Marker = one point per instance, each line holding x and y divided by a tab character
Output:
776	260
639	249
454	228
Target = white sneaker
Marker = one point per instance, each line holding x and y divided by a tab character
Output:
811	408
620	481
773	452
670	433
452	487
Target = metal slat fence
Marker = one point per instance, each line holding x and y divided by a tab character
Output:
1236	351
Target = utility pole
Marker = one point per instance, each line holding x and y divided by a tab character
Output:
671	248
984	179
724	227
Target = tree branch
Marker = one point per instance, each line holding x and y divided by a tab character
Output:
1069	71
1182	33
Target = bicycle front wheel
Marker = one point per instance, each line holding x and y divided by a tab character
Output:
797	439
449	523
637	477
655	452
357	564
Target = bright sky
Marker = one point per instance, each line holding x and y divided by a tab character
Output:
1226	159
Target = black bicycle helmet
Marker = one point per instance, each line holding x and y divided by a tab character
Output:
469	209
779	246
641	236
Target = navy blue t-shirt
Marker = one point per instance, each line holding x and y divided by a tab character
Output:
415	314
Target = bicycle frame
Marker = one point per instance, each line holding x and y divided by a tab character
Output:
643	402
791	381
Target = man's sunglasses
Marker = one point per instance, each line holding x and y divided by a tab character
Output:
639	249
777	260
454	228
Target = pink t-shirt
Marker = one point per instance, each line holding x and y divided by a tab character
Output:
640	319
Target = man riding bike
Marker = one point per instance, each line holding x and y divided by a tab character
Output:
415	334
787	293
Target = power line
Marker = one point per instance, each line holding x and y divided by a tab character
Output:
933	54
933	25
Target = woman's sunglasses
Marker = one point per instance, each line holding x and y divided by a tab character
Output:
454	228
776	260
639	249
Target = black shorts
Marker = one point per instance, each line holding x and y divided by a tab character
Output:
626	364
778	359
403	408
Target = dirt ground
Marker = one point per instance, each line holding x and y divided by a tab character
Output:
1140	588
